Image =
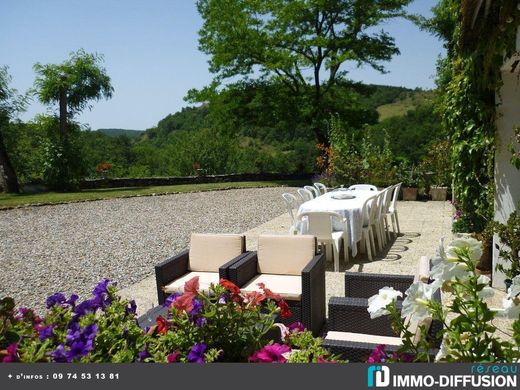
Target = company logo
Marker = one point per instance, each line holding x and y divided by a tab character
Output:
378	376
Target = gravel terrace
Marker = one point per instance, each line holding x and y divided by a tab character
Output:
71	247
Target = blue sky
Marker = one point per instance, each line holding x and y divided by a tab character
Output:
151	55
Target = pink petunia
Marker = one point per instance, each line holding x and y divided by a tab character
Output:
270	354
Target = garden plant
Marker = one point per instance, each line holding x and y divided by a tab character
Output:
468	333
222	325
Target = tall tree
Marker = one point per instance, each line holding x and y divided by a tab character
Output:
72	84
10	103
302	43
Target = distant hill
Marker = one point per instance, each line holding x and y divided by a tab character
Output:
118	132
407	101
389	101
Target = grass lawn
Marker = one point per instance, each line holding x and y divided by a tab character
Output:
12	200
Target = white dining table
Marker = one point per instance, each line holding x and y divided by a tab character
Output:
349	208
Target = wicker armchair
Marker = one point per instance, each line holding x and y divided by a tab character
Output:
351	332
208	257
289	266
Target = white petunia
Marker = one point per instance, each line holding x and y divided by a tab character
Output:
474	246
487	291
511	309
449	271
443	351
377	304
514	290
418	296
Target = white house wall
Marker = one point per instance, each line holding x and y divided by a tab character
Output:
507	177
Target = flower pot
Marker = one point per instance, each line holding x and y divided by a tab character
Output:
439	193
409	193
486	260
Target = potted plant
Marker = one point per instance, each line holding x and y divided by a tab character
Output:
485	264
509	235
437	162
410	176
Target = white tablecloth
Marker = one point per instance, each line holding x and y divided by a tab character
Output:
348	208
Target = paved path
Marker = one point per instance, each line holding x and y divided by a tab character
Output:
422	225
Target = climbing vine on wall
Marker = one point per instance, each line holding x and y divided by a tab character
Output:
484	35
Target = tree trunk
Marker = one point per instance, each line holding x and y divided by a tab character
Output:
63	115
7	172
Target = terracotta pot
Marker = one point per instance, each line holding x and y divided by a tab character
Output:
409	193
486	260
439	193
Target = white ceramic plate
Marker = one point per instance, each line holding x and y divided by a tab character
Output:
342	196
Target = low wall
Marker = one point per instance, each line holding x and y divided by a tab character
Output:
167	181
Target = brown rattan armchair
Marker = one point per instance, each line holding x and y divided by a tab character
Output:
291	267
208	257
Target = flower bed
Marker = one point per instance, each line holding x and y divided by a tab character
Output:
224	325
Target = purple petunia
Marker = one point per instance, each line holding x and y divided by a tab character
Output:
85	307
59	355
90	331
101	295
200	321
55	299
78	349
143	355
45	332
196	354
131	308
197	307
168	302
80	342
101	288
72	300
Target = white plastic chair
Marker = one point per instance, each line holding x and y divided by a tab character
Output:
392	210
321	188
305	194
292	204
363	187
387	201
377	222
368	213
313	190
320	225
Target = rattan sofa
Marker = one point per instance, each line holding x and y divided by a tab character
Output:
208	257
352	334
292	267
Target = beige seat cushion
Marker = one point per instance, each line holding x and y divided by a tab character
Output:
363	338
285	255
288	286
205	279
208	252
423	270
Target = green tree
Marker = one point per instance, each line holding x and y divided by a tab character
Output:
72	84
301	43
10	103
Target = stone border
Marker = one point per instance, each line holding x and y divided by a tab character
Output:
91	184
